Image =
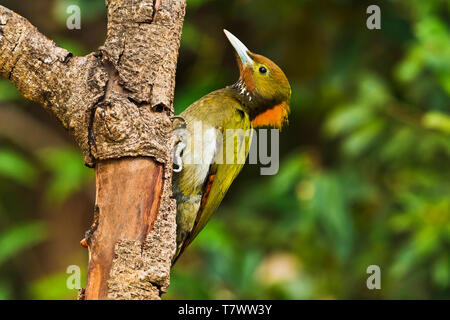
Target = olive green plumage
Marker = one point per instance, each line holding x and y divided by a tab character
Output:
259	98
224	112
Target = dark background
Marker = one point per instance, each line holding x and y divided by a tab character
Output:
364	176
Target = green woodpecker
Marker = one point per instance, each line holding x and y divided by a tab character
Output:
259	98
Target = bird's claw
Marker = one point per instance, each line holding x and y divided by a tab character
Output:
177	160
180	144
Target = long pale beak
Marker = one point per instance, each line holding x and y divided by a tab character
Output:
240	49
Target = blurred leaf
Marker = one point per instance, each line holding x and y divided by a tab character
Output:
335	219
54	287
411	66
441	271
404	262
361	139
89	9
215	238
194	91
188	286
348	118
76	48
16	167
373	91
68	172
5	291
400	143
191	36
19	238
191	4
8	92
288	176
437	120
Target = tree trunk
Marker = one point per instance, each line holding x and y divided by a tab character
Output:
125	216
117	103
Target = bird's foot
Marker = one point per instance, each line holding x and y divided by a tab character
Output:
179	128
177	153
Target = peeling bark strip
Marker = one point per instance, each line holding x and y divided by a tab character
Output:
126	219
117	104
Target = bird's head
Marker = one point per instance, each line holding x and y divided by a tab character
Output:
262	85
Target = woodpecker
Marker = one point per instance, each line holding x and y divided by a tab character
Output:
259	98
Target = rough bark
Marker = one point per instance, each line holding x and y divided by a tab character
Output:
117	104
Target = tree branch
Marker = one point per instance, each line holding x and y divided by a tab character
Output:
117	103
48	75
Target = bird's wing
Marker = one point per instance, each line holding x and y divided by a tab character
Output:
221	174
219	180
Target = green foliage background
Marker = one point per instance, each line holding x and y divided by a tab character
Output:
364	176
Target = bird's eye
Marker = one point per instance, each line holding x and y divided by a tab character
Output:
262	70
